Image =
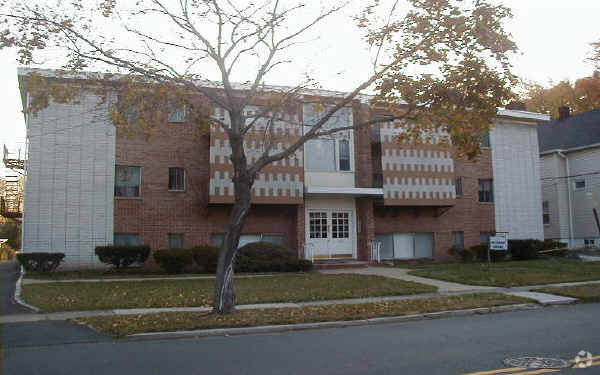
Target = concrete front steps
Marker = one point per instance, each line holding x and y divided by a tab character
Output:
334	264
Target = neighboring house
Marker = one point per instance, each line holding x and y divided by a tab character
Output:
570	159
88	186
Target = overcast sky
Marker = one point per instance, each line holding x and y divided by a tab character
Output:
553	36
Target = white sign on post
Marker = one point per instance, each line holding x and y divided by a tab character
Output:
498	242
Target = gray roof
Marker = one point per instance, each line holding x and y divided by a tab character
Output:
574	131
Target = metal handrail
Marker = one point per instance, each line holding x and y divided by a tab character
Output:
375	251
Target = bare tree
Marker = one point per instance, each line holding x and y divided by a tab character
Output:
461	44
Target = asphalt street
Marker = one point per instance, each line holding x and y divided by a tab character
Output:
455	345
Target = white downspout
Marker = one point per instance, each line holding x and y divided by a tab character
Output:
570	197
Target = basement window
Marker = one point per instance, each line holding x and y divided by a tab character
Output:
176	241
579	184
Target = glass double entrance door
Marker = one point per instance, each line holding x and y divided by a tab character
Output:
330	233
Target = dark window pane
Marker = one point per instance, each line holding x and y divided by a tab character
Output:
486	191
126	239
176	179
485	139
216	239
344	155
127	181
458	186
459	239
274	238
176	241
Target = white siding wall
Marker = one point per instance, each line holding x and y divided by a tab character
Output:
517	189
69	190
587	163
554	190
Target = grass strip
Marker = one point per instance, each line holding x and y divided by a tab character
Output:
512	273
123	325
585	293
54	297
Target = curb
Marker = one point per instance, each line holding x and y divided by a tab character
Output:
17	296
334	324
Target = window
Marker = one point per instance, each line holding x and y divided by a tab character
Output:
126	239
579	184
486	191
589	242
484	237
176	113
320	155
340	227
344	156
127	181
484	141
216	239
458	186
318	224
176	179
546	212
176	241
458	239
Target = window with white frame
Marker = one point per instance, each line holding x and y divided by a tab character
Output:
546	212
340	225
317	224
589	242
486	191
328	155
579	184
127	181
176	179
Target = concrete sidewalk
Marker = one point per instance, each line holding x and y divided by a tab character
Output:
110	280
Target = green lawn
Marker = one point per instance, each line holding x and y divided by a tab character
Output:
586	293
512	273
129	324
53	297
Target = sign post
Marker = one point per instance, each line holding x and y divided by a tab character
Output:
498	242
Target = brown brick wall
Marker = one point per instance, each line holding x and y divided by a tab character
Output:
159	212
468	215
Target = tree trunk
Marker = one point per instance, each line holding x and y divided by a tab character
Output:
224	302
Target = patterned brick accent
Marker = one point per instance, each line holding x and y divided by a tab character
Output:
420	175
467	215
279	183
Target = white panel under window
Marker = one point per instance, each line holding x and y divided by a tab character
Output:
423	245
320	155
404	246
249	238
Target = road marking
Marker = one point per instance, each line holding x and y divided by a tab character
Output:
503	370
583	368
542	371
585	359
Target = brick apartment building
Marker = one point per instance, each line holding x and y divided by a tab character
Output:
87	186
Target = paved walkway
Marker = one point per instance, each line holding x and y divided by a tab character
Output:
9	273
402	274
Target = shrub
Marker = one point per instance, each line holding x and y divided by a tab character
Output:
481	252
550	245
525	249
173	260
206	257
40	262
462	254
269	257
121	256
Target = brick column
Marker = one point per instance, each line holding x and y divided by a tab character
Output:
300	235
366	232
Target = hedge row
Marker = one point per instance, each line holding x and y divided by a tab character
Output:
518	250
254	257
40	262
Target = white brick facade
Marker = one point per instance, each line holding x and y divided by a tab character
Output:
70	182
